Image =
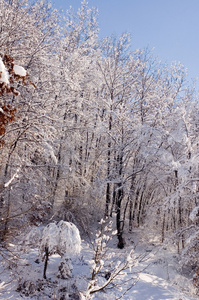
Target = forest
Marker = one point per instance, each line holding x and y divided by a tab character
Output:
92	130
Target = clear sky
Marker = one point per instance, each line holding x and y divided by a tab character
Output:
171	27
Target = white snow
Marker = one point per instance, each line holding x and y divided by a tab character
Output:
13	177
61	238
155	277
194	215
50	150
18	70
50	238
4	76
69	238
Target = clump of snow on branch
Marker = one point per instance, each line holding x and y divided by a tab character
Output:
4	76
13	177
20	71
194	215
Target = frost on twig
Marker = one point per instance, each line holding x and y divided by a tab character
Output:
107	268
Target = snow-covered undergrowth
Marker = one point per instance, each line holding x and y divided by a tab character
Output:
155	275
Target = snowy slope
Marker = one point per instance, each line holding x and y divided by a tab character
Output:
156	276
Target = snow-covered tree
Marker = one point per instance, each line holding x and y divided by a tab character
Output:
62	238
28	36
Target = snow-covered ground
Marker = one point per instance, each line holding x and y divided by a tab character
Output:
156	276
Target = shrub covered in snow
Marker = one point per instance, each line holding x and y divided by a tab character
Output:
65	268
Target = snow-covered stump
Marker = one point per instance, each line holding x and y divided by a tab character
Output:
64	239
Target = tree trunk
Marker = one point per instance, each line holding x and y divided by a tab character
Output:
113	201
46	262
131	196
118	223
108	172
120	195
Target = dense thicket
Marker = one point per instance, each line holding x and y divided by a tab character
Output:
99	130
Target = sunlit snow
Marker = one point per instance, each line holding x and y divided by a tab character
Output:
18	70
4	76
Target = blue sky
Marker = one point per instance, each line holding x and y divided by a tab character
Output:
171	27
